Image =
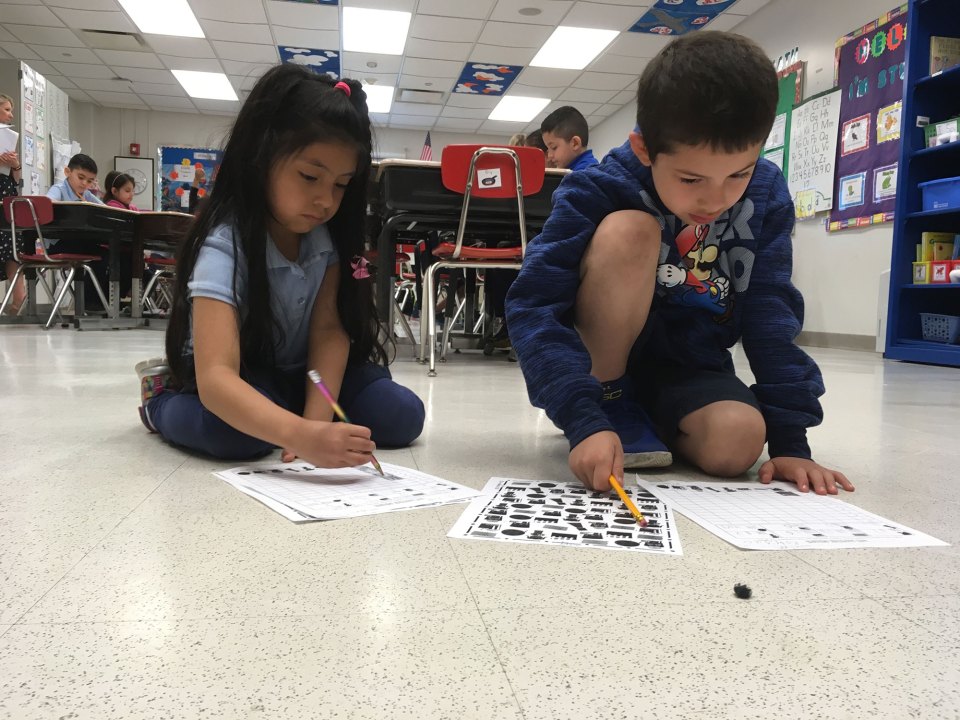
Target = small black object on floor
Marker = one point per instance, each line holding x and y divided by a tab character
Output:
742	591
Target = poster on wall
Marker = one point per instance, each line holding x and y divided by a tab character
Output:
775	149
813	151
41	160
183	170
29	117
869	72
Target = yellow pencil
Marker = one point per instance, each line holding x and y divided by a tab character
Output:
628	502
321	386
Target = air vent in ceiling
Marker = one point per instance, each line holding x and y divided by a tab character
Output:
113	40
431	97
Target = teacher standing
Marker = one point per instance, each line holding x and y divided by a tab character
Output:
11	180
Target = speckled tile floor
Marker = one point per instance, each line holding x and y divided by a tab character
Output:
133	584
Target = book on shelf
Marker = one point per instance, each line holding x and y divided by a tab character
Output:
944	53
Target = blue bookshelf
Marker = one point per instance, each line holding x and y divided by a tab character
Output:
938	98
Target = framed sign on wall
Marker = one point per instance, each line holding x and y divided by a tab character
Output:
144	177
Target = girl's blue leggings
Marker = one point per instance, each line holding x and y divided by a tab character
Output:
368	396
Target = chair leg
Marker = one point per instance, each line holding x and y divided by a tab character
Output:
96	285
448	326
149	289
63	291
403	322
428	290
11	284
431	301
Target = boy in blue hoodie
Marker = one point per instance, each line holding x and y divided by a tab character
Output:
653	264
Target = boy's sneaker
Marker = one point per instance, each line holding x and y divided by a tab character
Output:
641	446
154	374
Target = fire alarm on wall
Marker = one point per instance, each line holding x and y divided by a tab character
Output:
135	149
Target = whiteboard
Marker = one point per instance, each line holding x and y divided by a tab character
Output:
814	129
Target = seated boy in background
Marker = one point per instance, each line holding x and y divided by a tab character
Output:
653	264
567	137
80	176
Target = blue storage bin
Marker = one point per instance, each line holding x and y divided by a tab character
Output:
941	194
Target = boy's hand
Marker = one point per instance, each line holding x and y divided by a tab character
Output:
806	474
330	445
596	458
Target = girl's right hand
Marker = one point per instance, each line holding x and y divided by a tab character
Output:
330	444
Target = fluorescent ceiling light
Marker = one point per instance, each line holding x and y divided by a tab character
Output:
514	108
163	17
572	48
379	97
206	85
375	31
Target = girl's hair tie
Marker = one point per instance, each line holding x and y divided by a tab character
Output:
343	86
360	267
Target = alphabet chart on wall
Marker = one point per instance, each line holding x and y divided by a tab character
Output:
303	493
777	516
540	512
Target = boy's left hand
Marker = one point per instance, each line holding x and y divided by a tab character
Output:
806	474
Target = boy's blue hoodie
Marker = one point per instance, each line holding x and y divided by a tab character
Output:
716	284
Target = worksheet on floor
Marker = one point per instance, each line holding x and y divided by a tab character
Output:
777	516
549	512
303	493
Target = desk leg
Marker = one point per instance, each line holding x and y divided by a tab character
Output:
386	264
136	275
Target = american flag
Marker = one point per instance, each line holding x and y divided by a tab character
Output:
427	152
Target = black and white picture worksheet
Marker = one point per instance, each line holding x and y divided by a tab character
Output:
777	516
565	513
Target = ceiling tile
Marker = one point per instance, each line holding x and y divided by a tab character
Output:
601	15
77	70
622	98
320	39
400	5
6	37
304	15
104	5
60	81
246	52
380	118
513	35
244	83
437	50
640	45
175	62
239	32
500	127
551	12
116	99
109	85
524	90
165	102
412	121
478	9
127	58
584	107
452	111
5	56
247	11
357	62
21	51
449	28
548	77
747	7
76	56
437	68
184	47
35	35
418	82
161	89
503	55
32	14
623	64
375	78
95	20
472	101
233	67
609	109
403	108
78	94
145	75
221	105
604	81
468	124
725	21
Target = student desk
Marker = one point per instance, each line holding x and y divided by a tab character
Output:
408	195
117	228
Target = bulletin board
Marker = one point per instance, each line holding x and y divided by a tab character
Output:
44	114
869	71
178	168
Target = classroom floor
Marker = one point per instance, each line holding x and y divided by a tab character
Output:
134	584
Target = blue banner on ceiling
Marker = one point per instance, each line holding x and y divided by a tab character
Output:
322	62
678	17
